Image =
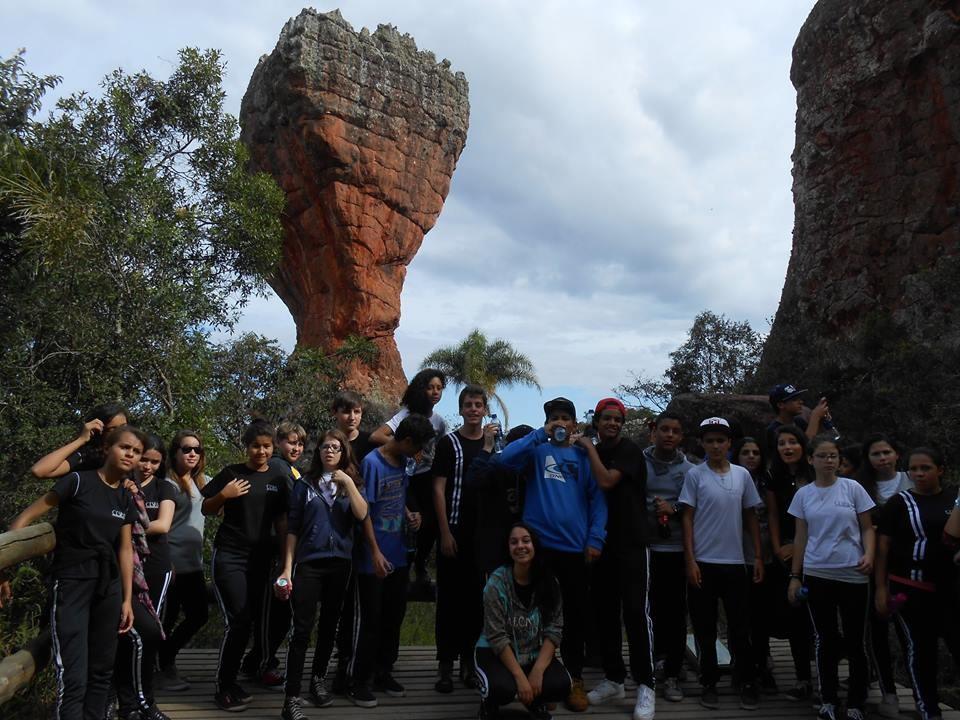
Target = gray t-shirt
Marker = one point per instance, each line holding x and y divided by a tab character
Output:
665	481
185	538
718	500
886	489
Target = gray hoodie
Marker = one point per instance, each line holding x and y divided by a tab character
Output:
665	481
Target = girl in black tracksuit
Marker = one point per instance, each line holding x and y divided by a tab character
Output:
137	651
91	575
253	499
325	507
915	562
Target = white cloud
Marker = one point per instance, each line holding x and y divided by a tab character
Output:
627	164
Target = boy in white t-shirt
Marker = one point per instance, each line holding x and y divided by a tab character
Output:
718	498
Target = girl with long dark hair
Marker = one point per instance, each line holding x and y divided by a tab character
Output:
325	507
92	573
152	497
522	629
789	471
915	566
882	479
188	593
86	451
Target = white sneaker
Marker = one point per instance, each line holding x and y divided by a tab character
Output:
606	691
646	703
889	706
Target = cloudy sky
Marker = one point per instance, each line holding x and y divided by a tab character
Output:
627	163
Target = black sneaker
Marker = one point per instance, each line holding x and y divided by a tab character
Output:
709	697
444	683
229	702
387	684
801	691
240	694
293	708
538	711
362	696
749	699
319	695
151	713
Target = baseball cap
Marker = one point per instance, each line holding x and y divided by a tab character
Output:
559	403
783	392
610	403
715	424
517	432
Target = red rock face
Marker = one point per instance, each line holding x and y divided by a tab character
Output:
363	132
869	303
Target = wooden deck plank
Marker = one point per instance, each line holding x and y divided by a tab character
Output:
416	670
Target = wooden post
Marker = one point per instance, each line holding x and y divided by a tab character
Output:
17	670
25	543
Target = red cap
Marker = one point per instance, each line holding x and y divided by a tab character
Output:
611	403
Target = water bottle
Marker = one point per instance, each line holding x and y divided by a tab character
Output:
411	469
283	588
803	594
559	435
498	438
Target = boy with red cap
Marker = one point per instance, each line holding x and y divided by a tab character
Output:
620	579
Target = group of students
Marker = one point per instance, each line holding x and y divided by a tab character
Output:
555	538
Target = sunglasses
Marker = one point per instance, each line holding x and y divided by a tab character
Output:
188	449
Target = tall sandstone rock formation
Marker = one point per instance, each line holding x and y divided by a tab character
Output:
869	311
363	132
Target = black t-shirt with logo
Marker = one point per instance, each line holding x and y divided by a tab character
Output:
914	523
89	519
159	489
627	500
248	520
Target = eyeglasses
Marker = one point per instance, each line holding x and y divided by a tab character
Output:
826	456
190	449
750	452
335	447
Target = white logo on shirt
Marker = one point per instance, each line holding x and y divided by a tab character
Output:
551	471
119	514
151	505
272	488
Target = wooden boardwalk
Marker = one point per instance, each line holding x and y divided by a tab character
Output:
416	670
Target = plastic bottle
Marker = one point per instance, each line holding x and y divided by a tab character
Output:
803	594
498	438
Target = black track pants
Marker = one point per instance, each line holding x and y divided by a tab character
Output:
188	593
84	620
137	651
239	579
668	604
726	584
381	605
459	602
570	569
826	598
498	686
322	583
619	584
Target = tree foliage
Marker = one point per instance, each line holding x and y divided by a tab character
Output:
131	235
491	365
720	355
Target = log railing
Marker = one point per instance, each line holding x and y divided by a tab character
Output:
17	670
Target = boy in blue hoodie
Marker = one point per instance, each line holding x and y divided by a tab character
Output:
567	509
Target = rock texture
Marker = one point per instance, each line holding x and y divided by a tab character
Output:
363	132
869	306
748	414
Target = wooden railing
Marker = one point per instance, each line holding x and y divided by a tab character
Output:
17	670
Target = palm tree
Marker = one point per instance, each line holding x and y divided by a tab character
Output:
477	361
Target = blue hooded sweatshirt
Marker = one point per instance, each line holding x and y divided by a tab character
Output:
563	502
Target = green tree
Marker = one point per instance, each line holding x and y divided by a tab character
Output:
491	365
720	355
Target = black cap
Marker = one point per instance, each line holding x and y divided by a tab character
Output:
517	432
782	393
559	403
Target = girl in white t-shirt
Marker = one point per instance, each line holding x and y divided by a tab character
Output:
880	476
834	550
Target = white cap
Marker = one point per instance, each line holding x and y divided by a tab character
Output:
715	423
